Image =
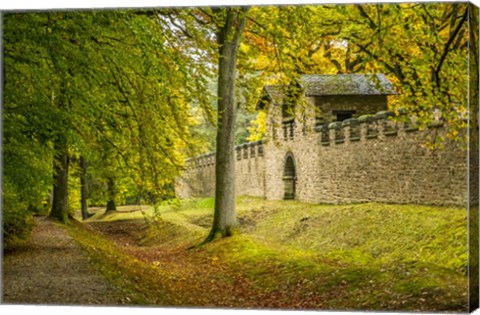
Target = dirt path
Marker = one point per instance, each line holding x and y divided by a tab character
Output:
53	269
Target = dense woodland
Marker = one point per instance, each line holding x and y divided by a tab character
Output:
101	107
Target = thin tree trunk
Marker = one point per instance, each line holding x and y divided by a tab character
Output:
83	188
60	181
111	195
228	38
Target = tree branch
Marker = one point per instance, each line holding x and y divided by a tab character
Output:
364	14
446	49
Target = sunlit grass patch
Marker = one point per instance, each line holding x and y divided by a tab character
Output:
129	212
386	233
351	234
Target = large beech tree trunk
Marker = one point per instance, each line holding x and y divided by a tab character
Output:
228	38
60	181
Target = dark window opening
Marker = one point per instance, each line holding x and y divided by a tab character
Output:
344	114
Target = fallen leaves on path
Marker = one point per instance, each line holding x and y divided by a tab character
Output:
53	269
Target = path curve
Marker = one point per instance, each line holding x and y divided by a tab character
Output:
53	269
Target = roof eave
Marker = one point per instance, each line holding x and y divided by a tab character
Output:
352	94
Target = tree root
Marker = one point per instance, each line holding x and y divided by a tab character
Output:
212	236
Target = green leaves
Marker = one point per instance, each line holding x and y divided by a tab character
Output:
422	48
116	84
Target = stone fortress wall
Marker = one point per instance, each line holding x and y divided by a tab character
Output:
370	159
199	178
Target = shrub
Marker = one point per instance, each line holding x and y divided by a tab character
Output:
17	218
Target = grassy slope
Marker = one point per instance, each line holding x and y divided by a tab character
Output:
294	255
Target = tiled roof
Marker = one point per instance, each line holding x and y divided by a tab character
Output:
346	84
327	84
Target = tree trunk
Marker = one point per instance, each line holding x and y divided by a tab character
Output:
111	195
60	181
83	188
228	38
111	206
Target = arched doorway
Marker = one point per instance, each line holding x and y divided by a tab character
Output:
289	178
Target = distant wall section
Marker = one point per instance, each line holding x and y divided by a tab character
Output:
199	178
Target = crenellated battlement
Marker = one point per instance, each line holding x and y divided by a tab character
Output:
364	128
244	151
249	150
200	161
367	127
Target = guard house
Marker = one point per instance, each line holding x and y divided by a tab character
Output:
333	97
327	101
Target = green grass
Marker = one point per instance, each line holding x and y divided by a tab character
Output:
359	234
345	257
